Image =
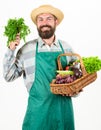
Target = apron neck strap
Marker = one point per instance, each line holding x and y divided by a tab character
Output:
61	46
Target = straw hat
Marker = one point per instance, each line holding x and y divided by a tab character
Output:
47	9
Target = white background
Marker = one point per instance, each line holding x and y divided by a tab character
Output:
81	28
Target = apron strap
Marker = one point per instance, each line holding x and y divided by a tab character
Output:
61	46
36	47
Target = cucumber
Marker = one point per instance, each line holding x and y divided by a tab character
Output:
65	72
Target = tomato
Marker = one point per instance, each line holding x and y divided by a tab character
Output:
67	68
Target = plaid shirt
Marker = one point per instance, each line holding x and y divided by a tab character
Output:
24	61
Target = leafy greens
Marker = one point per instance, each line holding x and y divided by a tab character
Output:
15	26
92	64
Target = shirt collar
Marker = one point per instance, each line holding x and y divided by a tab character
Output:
42	43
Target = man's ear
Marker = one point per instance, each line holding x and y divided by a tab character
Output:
57	22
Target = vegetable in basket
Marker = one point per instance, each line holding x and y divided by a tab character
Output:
15	26
73	71
92	64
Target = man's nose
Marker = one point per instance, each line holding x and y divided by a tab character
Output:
45	22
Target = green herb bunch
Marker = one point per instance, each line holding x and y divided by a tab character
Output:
15	26
92	64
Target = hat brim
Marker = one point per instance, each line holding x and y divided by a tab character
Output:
47	9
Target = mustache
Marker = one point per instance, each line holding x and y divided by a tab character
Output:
45	26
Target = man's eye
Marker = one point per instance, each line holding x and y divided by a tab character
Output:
49	19
40	19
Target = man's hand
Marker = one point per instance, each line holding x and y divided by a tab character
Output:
15	43
74	94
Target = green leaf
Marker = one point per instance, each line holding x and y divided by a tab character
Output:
92	64
15	26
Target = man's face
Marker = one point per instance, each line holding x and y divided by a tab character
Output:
46	25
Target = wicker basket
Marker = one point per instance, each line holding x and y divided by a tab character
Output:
77	85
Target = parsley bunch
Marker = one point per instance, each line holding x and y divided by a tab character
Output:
15	26
92	64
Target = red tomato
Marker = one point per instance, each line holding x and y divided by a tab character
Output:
67	68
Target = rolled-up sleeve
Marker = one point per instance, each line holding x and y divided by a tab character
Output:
12	66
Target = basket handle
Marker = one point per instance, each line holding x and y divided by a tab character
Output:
71	54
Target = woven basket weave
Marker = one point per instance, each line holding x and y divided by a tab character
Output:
77	85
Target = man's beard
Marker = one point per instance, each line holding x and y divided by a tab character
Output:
47	33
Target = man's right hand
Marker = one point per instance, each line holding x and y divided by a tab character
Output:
14	44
